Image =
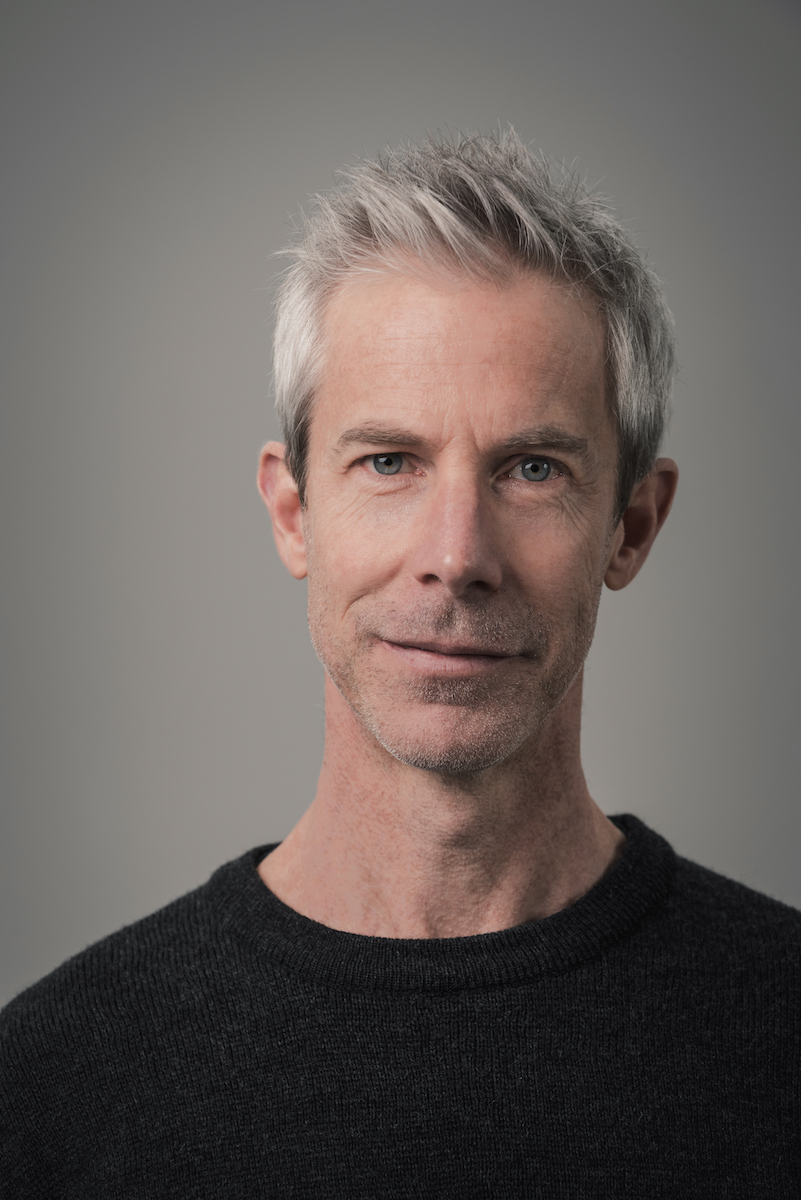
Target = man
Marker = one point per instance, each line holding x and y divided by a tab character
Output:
456	977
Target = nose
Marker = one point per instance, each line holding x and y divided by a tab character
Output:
457	541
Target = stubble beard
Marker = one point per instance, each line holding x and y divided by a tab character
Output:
482	721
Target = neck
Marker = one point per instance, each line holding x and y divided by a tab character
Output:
392	851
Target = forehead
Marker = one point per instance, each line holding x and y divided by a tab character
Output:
442	351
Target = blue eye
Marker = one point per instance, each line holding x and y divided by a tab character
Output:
536	469
387	464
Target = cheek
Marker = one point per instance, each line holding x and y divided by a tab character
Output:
353	547
563	562
586	526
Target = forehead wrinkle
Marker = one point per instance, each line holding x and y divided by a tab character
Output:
558	362
385	353
406	329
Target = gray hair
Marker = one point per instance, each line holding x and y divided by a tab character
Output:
485	206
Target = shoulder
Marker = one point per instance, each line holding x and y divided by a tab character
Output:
734	930
734	905
696	902
91	1046
141	946
127	974
709	936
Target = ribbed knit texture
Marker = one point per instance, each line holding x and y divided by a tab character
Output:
644	1042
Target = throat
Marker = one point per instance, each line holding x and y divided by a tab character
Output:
389	851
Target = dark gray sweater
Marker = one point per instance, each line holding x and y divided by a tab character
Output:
643	1042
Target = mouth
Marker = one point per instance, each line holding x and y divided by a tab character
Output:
447	658
457	649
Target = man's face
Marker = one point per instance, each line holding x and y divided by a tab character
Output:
461	486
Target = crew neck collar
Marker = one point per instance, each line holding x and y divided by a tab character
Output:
638	883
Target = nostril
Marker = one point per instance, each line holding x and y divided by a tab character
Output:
481	585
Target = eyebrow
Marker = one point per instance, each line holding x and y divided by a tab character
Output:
549	437
372	434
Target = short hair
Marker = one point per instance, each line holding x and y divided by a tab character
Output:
487	207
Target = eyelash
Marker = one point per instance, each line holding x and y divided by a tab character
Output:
557	469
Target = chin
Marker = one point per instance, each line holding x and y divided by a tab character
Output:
464	751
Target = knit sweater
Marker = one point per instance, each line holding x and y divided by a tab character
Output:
643	1042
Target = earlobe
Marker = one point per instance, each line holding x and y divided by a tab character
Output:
647	512
280	493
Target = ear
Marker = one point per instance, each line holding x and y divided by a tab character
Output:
648	508
280	493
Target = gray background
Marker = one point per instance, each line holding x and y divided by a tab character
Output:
162	707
